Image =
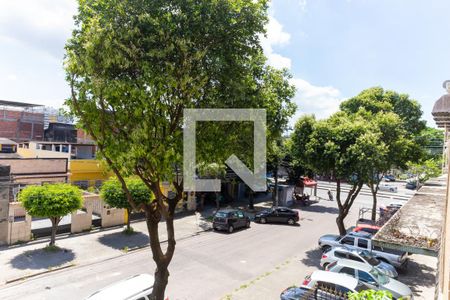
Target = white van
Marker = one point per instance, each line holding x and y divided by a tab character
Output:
138	287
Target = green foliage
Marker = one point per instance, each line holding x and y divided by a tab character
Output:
377	100
51	200
336	145
114	195
432	140
212	170
426	169
134	65
370	295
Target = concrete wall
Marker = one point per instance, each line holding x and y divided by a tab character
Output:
18	231
110	216
36	153
35	166
82	219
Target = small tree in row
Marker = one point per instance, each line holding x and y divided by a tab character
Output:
114	195
53	201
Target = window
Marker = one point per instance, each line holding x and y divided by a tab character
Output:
348	241
366	277
240	214
362	243
348	271
355	258
340	254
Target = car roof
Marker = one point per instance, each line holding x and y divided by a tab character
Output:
354	265
125	289
335	278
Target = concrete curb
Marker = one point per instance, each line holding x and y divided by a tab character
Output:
37	274
133	250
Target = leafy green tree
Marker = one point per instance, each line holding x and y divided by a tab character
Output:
425	169
393	149
398	118
370	295
377	99
339	146
52	201
432	140
212	170
133	66
113	194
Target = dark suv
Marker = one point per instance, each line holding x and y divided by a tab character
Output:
230	219
277	215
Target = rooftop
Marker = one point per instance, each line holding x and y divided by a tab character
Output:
412	230
18	104
6	141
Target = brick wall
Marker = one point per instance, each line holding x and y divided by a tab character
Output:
20	126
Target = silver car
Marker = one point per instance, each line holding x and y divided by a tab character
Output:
371	277
362	256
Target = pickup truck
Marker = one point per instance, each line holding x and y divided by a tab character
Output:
363	241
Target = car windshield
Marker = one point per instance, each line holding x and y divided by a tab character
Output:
221	214
370	258
380	277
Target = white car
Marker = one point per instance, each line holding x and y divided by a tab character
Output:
138	287
333	281
387	187
363	256
371	277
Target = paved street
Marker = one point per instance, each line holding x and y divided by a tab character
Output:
257	263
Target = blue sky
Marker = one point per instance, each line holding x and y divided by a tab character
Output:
334	49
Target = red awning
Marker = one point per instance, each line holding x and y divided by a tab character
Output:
308	182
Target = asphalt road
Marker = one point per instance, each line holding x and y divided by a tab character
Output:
207	266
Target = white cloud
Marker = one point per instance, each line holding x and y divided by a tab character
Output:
11	77
43	24
275	36
322	101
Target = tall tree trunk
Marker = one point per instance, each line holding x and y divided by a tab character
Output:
275	190
374	202
161	272
340	224
251	200
344	208
55	221
128	219
217	202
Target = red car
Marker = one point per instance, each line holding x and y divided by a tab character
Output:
372	229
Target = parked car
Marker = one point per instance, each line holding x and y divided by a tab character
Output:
277	215
372	229
411	185
387	187
295	293
316	293
389	177
134	288
230	219
333	281
362	256
362	241
371	277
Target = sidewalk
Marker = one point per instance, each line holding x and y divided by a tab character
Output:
22	261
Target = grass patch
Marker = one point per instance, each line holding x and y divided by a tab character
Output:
125	249
129	231
52	248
